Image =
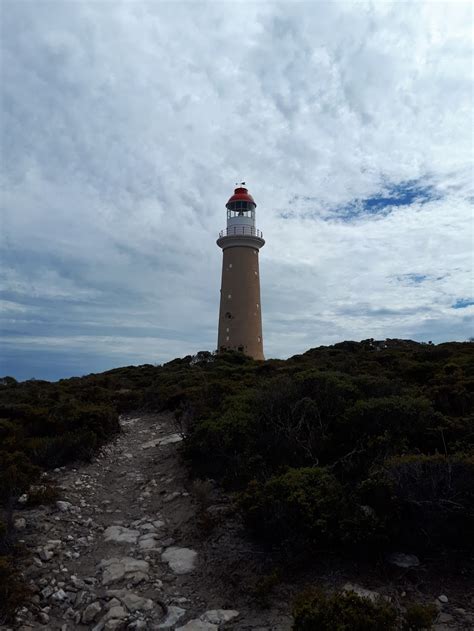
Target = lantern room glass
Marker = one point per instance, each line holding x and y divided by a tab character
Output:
240	209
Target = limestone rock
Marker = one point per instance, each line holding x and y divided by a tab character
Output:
59	596
180	560
115	612
171	438
19	523
116	569
91	612
63	506
166	440
119	534
43	617
361	591
149	543
45	554
132	601
174	614
443	598
219	616
172	496
403	560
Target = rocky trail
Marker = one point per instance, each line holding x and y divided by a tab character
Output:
122	549
133	544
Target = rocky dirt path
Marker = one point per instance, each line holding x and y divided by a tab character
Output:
122	549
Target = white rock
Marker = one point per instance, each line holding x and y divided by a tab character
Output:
149	543
198	625
125	567
401	559
219	616
20	523
63	506
361	591
116	612
171	496
150	444
119	534
172	438
174	614
166	440
59	596
46	592
53	544
148	535
443	598
180	560
91	612
23	498
43	617
132	601
45	554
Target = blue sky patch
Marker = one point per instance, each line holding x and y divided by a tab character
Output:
393	196
462	303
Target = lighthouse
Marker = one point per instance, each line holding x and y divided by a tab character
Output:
240	314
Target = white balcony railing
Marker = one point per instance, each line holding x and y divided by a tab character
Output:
241	230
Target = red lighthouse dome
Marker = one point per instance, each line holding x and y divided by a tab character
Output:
241	194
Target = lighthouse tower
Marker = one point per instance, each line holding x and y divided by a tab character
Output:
240	316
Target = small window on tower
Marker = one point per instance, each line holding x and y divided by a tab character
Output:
229	296
227	338
228	316
230	265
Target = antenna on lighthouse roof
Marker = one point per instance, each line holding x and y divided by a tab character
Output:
240	183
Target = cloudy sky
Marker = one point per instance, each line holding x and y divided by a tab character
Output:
124	126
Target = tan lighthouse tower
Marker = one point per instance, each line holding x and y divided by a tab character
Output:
240	316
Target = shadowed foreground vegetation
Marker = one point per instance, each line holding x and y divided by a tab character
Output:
352	447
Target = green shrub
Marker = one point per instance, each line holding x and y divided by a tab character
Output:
418	616
17	473
264	585
13	591
307	503
45	493
315	610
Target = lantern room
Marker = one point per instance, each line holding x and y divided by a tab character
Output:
241	208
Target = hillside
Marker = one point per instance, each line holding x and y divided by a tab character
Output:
338	458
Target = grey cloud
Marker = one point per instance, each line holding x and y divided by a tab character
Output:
125	125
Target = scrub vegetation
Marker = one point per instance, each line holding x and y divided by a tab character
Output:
357	446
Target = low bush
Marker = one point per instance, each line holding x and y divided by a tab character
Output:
306	503
316	610
13	591
427	500
418	616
